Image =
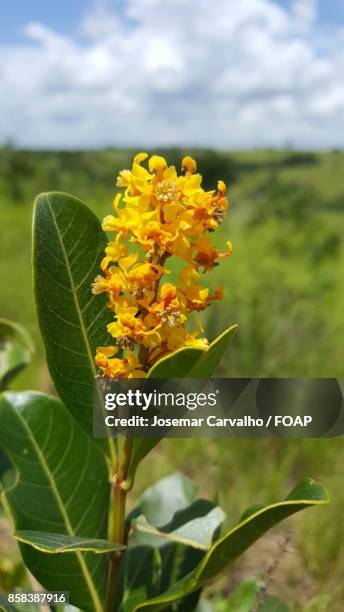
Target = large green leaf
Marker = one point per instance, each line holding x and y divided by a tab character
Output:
139	577
68	244
182	543
62	486
16	349
196	532
184	363
182	528
60	543
169	512
236	541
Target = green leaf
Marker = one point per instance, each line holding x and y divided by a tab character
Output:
16	349
177	364
4	464
169	512
210	359
68	244
194	362
235	542
196	533
184	363
186	529
182	543
161	501
61	486
139	577
59	543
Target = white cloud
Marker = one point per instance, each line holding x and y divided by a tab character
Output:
304	13
224	74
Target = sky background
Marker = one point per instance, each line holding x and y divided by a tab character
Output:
224	74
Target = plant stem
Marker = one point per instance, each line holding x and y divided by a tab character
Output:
119	535
120	489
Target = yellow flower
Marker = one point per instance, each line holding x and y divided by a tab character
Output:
145	274
123	224
168	309
123	179
157	164
153	234
114	251
196	297
114	367
164	215
189	166
221	187
127	330
207	254
112	284
188	275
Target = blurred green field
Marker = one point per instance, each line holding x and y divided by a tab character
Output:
283	285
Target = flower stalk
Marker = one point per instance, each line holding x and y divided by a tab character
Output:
159	216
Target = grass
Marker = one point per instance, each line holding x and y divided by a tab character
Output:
284	287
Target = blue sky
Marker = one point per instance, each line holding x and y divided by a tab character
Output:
65	15
88	73
328	10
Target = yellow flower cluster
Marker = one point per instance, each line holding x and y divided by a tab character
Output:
164	214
